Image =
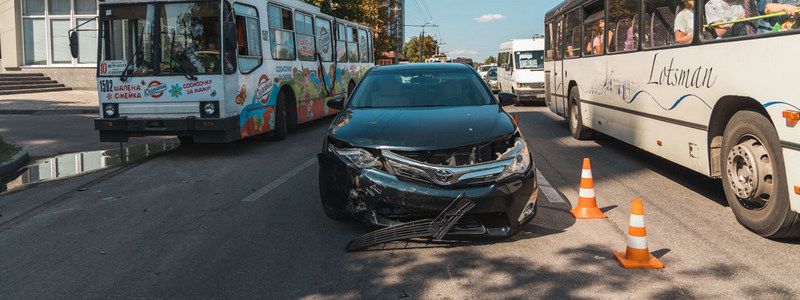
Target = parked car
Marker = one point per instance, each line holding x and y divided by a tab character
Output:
412	138
484	69
491	80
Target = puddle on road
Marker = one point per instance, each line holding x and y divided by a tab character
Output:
73	164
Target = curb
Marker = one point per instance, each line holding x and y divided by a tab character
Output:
16	162
49	112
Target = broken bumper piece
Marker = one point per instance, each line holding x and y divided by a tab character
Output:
380	198
428	228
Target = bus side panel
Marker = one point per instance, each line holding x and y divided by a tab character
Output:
792	162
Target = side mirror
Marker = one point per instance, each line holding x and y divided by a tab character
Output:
507	99
73	44
336	103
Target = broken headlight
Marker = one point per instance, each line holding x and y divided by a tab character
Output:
520	159
356	157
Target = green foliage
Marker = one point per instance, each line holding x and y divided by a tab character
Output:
490	60
427	45
7	150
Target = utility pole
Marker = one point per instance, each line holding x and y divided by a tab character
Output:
422	36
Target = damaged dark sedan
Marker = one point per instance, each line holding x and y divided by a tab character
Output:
414	138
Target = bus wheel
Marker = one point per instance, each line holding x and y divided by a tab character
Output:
576	127
281	119
754	177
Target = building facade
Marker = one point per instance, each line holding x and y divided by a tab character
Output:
34	38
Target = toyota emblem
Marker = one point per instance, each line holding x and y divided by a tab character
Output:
444	176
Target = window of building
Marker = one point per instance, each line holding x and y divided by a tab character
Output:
341	43
324	39
572	34
304	29
352	44
363	46
45	31
623	30
281	26
248	33
594	26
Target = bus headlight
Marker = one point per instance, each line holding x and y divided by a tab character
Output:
110	110
209	109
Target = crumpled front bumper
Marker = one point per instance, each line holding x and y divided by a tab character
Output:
379	198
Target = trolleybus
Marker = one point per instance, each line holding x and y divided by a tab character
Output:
213	71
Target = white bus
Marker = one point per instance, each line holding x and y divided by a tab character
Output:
218	71
714	93
520	69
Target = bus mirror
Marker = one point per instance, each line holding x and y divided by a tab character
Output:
336	103
73	44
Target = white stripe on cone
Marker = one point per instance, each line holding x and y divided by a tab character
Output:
586	173
637	221
586	193
637	242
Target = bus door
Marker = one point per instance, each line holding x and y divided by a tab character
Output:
558	78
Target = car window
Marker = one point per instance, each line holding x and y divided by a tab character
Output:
420	88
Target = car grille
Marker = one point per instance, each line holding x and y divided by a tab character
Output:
460	156
532	85
473	174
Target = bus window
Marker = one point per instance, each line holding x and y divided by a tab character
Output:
572	34
622	30
363	46
548	48
662	22
281	36
559	43
341	43
352	44
324	39
248	39
304	33
594	29
727	19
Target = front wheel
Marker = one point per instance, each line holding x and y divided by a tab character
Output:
754	177
281	118
574	118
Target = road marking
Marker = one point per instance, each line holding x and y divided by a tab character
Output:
549	191
278	182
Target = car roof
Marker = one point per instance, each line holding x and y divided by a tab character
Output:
423	66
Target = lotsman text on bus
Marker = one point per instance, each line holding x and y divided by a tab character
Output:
700	77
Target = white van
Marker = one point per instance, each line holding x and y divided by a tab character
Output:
520	69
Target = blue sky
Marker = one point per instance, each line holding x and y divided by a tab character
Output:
475	28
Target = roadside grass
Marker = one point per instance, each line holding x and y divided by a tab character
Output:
7	150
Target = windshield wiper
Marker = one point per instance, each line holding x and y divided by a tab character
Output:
136	55
181	58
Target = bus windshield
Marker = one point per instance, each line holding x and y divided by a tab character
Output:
529	59
161	39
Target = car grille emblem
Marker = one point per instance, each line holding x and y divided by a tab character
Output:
443	176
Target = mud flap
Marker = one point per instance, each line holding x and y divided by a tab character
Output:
427	228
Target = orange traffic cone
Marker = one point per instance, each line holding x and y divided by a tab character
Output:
637	255
587	204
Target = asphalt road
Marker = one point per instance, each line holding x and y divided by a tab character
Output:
178	226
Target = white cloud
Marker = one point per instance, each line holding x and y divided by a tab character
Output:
490	18
462	52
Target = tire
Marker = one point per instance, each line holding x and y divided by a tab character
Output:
574	119
754	177
281	119
186	140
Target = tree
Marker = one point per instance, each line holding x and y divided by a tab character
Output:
427	46
490	60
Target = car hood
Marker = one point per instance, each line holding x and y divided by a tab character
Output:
414	129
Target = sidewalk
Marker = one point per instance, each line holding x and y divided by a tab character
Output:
53	102
49	124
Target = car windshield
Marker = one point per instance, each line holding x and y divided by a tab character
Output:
420	88
161	39
493	74
529	59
